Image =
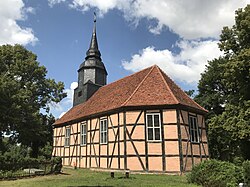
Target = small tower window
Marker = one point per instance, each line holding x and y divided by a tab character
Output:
80	94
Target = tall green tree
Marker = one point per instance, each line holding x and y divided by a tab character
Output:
24	92
224	91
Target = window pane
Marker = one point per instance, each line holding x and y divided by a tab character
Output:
192	135
150	133
85	129
84	139
105	125
197	133
149	120
191	123
194	123
66	141
157	134
67	133
156	120
101	125
101	138
105	137
81	129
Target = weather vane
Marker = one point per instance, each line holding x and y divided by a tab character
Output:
94	17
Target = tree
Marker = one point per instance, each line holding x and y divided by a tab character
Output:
224	91
24	92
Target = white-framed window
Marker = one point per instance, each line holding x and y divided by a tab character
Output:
83	133
67	137
103	131
153	126
193	129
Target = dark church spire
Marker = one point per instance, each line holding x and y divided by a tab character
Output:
93	48
92	73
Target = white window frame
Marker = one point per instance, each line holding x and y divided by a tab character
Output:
153	126
83	133
103	132
194	129
67	137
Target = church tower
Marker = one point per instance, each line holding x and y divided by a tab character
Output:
92	73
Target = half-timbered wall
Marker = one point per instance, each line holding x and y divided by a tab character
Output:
192	152
127	146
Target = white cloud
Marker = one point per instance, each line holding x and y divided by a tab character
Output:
53	2
61	114
12	11
60	108
101	5
190	19
185	66
73	85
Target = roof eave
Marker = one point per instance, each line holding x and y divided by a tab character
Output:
133	108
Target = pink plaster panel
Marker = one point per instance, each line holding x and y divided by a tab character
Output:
140	146
171	131
132	116
154	148
155	163
169	116
133	163
173	163
171	147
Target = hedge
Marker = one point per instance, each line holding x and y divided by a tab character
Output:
14	167
214	173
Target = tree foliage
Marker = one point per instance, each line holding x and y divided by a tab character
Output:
24	92
224	91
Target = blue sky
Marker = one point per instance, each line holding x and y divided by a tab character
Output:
179	36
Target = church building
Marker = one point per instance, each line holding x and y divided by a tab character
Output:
143	122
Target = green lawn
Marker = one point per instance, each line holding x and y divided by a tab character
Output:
84	177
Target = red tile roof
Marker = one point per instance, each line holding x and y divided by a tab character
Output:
149	87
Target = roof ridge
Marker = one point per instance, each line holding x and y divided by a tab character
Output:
152	67
182	91
167	85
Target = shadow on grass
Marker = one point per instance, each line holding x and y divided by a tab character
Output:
89	186
130	178
62	173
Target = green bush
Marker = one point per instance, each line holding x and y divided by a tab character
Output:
246	172
56	165
214	173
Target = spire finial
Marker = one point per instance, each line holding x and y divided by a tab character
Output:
93	48
94	17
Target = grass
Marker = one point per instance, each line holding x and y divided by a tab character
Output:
85	177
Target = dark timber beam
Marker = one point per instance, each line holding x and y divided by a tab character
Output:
179	139
125	143
163	151
145	139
